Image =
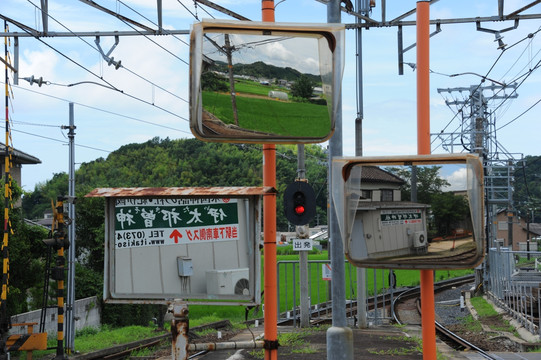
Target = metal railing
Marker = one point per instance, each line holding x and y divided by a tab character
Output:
514	285
288	295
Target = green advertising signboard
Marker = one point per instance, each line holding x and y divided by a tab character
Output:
141	222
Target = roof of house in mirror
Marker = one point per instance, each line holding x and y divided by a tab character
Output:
376	175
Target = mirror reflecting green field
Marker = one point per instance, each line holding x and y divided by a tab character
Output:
263	86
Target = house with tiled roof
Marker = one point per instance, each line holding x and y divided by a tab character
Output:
520	229
379	185
18	158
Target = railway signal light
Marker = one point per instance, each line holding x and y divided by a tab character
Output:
299	203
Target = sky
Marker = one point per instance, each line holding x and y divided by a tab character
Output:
154	80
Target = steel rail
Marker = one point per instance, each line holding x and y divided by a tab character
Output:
414	292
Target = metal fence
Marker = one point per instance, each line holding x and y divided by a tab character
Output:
288	274
514	285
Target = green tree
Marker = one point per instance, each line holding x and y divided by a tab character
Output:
26	251
429	182
527	191
303	87
165	162
213	82
448	209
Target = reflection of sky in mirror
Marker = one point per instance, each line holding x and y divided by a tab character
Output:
456	175
298	53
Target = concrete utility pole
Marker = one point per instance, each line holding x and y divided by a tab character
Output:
229	52
70	299
339	336
302	232
362	7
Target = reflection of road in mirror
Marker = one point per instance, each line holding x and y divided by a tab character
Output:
212	126
460	250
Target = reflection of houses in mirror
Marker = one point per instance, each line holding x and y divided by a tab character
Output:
379	185
390	227
396	232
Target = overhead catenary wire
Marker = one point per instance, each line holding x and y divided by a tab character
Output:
102	110
97	50
152	22
460	110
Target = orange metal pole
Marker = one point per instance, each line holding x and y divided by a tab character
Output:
423	77
423	147
269	230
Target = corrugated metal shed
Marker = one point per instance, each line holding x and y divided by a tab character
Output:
181	191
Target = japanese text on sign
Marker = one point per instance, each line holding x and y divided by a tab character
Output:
400	217
302	244
157	222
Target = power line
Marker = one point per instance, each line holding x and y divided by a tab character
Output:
97	50
102	110
530	35
152	22
60	141
188	10
519	116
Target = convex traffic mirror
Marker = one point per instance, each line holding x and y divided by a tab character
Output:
264	82
411	212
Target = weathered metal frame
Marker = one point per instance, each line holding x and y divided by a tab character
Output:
253	194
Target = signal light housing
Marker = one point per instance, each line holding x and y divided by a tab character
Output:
299	203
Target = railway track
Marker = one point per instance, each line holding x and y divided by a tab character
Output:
414	293
382	300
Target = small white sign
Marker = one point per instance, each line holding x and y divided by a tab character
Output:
302	244
326	272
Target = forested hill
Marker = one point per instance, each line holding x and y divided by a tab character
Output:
259	69
186	162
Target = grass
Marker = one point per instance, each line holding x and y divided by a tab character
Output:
203	314
318	287
485	311
267	115
92	339
482	307
252	87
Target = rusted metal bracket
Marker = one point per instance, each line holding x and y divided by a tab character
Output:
270	344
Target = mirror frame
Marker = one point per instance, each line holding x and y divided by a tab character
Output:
342	169
334	33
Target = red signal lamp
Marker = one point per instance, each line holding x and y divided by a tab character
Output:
299	209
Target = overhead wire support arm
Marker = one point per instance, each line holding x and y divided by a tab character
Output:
402	50
497	33
110	60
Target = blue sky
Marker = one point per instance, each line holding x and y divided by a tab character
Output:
156	72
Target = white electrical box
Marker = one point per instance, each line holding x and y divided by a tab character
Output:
185	267
228	282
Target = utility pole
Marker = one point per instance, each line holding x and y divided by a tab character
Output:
228	49
302	232
362	7
70	299
478	125
339	336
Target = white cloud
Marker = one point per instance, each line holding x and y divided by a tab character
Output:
457	179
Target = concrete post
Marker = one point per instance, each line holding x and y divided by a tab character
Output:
339	336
